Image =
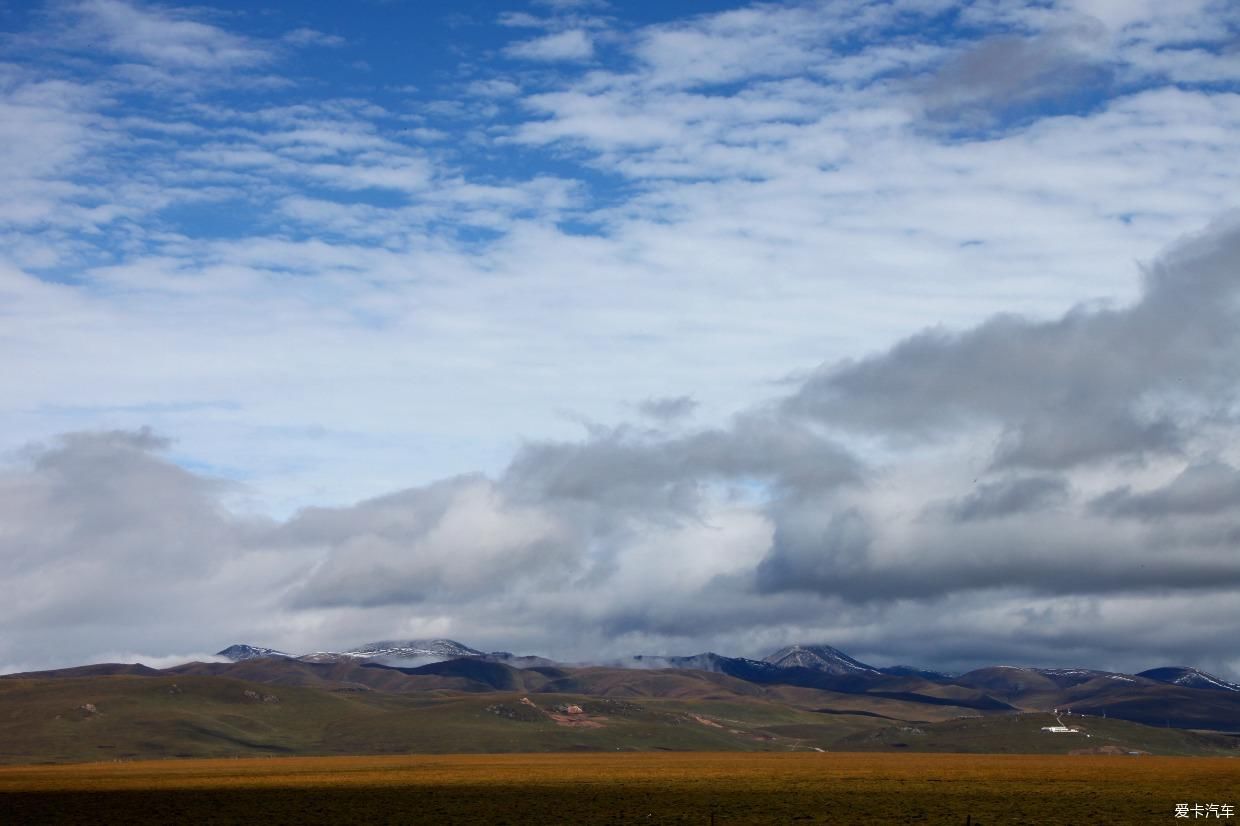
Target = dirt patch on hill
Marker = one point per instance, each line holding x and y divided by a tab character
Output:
577	720
568	715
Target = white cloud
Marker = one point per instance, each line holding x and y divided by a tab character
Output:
163	37
573	44
458	539
159	660
313	37
495	87
563	5
1117	14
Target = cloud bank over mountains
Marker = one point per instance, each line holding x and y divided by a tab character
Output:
908	327
639	536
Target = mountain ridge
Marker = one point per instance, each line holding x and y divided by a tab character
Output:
806	657
814	678
1189	678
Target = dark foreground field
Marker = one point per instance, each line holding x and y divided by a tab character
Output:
624	788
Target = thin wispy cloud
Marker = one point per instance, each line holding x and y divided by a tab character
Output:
159	36
573	44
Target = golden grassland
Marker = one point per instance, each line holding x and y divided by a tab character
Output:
697	787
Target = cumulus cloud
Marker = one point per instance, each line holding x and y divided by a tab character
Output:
108	546
455	539
1110	390
1095	384
629	467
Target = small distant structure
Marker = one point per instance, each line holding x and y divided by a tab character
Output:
1061	728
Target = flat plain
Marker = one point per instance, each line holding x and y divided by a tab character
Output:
593	788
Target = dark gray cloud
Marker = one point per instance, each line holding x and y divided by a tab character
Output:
844	555
1123	634
997	76
1201	489
820	551
632	467
668	409
1005	497
1095	384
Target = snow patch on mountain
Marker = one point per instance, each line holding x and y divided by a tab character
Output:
1189	678
398	652
1065	677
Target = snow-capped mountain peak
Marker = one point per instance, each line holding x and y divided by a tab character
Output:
241	651
818	658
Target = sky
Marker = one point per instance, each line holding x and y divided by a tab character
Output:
584	329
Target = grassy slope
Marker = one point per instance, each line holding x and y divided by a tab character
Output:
160	717
187	715
184	716
1022	734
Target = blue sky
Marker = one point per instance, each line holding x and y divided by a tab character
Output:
477	256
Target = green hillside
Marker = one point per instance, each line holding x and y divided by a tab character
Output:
127	717
1023	734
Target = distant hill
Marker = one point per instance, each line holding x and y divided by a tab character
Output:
442	695
96	670
182	714
912	671
1025	734
1189	678
474	674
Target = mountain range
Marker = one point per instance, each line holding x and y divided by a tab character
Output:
785	664
1171	696
438	695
